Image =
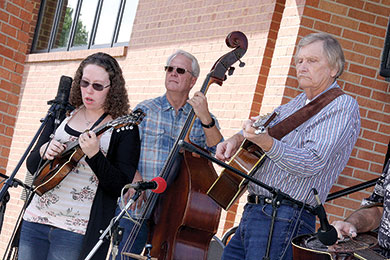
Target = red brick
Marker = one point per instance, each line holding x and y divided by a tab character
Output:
369	124
377	42
370	156
329	28
382	148
385	97
376	168
358	164
356	36
15	22
371	29
369	103
384	128
357	3
318	14
379	137
361	16
4	16
378	116
344	22
377	9
333	7
362	70
363	49
363	91
375	84
13	9
9	30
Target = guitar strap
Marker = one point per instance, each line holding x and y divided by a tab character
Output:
300	116
101	118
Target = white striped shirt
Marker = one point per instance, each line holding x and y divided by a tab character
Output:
315	153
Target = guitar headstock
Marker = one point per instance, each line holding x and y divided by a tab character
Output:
259	120
128	121
260	126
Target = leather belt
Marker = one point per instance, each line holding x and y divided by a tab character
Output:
261	199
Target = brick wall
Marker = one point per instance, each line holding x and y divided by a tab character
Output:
268	79
16	28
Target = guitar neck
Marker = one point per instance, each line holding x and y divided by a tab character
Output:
368	254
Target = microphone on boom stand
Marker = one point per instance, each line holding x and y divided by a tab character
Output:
60	104
327	233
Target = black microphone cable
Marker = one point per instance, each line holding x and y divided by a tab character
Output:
296	224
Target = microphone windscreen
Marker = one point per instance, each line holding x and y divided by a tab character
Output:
64	89
161	185
329	237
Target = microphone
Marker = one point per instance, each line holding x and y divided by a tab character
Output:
157	185
61	102
327	233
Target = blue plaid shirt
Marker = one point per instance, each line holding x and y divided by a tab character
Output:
159	131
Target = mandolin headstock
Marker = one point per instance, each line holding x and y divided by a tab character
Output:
127	122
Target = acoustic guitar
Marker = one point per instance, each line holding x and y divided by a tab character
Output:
54	171
363	246
229	186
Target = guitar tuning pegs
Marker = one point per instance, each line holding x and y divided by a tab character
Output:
230	71
242	64
131	127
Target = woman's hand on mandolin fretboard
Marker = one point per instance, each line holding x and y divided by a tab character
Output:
51	149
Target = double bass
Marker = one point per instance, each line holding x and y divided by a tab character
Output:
184	218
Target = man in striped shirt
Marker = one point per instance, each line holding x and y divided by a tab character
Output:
310	156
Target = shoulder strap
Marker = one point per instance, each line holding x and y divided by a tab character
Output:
300	116
100	119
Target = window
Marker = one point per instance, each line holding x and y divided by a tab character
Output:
65	25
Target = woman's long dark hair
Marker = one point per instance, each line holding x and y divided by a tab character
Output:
117	101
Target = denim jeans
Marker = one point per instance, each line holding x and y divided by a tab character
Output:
250	240
40	242
140	240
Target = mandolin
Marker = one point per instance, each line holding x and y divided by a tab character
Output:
229	186
54	171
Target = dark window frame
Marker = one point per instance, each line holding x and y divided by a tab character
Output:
90	44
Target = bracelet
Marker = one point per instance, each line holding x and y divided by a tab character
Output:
209	125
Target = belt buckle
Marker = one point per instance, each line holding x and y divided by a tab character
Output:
256	199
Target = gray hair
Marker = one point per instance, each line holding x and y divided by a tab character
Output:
194	62
332	48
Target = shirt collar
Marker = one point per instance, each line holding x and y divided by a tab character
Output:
165	105
334	84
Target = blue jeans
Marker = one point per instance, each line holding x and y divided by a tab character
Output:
250	240
139	242
40	242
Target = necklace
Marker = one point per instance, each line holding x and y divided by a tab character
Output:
87	122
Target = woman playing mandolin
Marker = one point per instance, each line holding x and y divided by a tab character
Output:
64	222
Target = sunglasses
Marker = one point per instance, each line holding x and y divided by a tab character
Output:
178	70
96	86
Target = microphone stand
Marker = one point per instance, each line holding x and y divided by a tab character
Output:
113	225
11	181
277	195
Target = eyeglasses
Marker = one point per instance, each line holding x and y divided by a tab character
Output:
178	70
96	86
